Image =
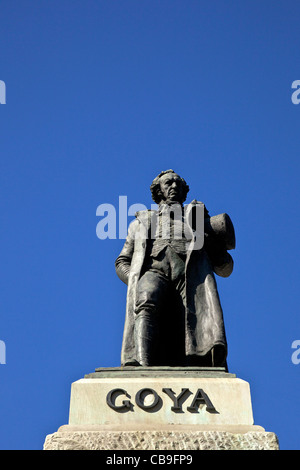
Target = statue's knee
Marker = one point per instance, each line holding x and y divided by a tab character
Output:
146	311
146	303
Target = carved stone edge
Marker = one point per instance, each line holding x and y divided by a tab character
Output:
160	440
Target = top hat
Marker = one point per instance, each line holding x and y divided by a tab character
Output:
220	228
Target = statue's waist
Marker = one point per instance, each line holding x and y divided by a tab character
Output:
158	245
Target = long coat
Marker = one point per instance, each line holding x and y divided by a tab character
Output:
204	325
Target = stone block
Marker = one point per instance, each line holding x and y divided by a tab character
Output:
161	409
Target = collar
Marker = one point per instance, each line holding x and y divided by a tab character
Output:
166	207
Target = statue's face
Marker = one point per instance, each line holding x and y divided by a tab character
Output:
171	188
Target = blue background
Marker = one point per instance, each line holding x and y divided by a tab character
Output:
102	96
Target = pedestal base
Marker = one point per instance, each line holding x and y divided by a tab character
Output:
81	439
161	409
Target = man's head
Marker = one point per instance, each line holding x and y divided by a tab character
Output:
169	187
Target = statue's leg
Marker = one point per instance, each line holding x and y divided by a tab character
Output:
150	292
144	332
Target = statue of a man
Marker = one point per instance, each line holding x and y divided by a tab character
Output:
173	312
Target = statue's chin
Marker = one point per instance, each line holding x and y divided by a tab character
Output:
172	201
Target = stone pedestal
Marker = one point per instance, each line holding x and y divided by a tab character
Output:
162	408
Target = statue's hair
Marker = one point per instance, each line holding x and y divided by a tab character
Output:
155	187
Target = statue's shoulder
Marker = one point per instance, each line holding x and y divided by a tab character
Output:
194	203
145	214
145	217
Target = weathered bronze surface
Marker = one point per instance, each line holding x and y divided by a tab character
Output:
173	312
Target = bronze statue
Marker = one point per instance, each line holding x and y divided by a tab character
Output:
173	313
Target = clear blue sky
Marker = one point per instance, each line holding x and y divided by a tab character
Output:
100	97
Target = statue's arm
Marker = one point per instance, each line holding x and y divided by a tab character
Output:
123	262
